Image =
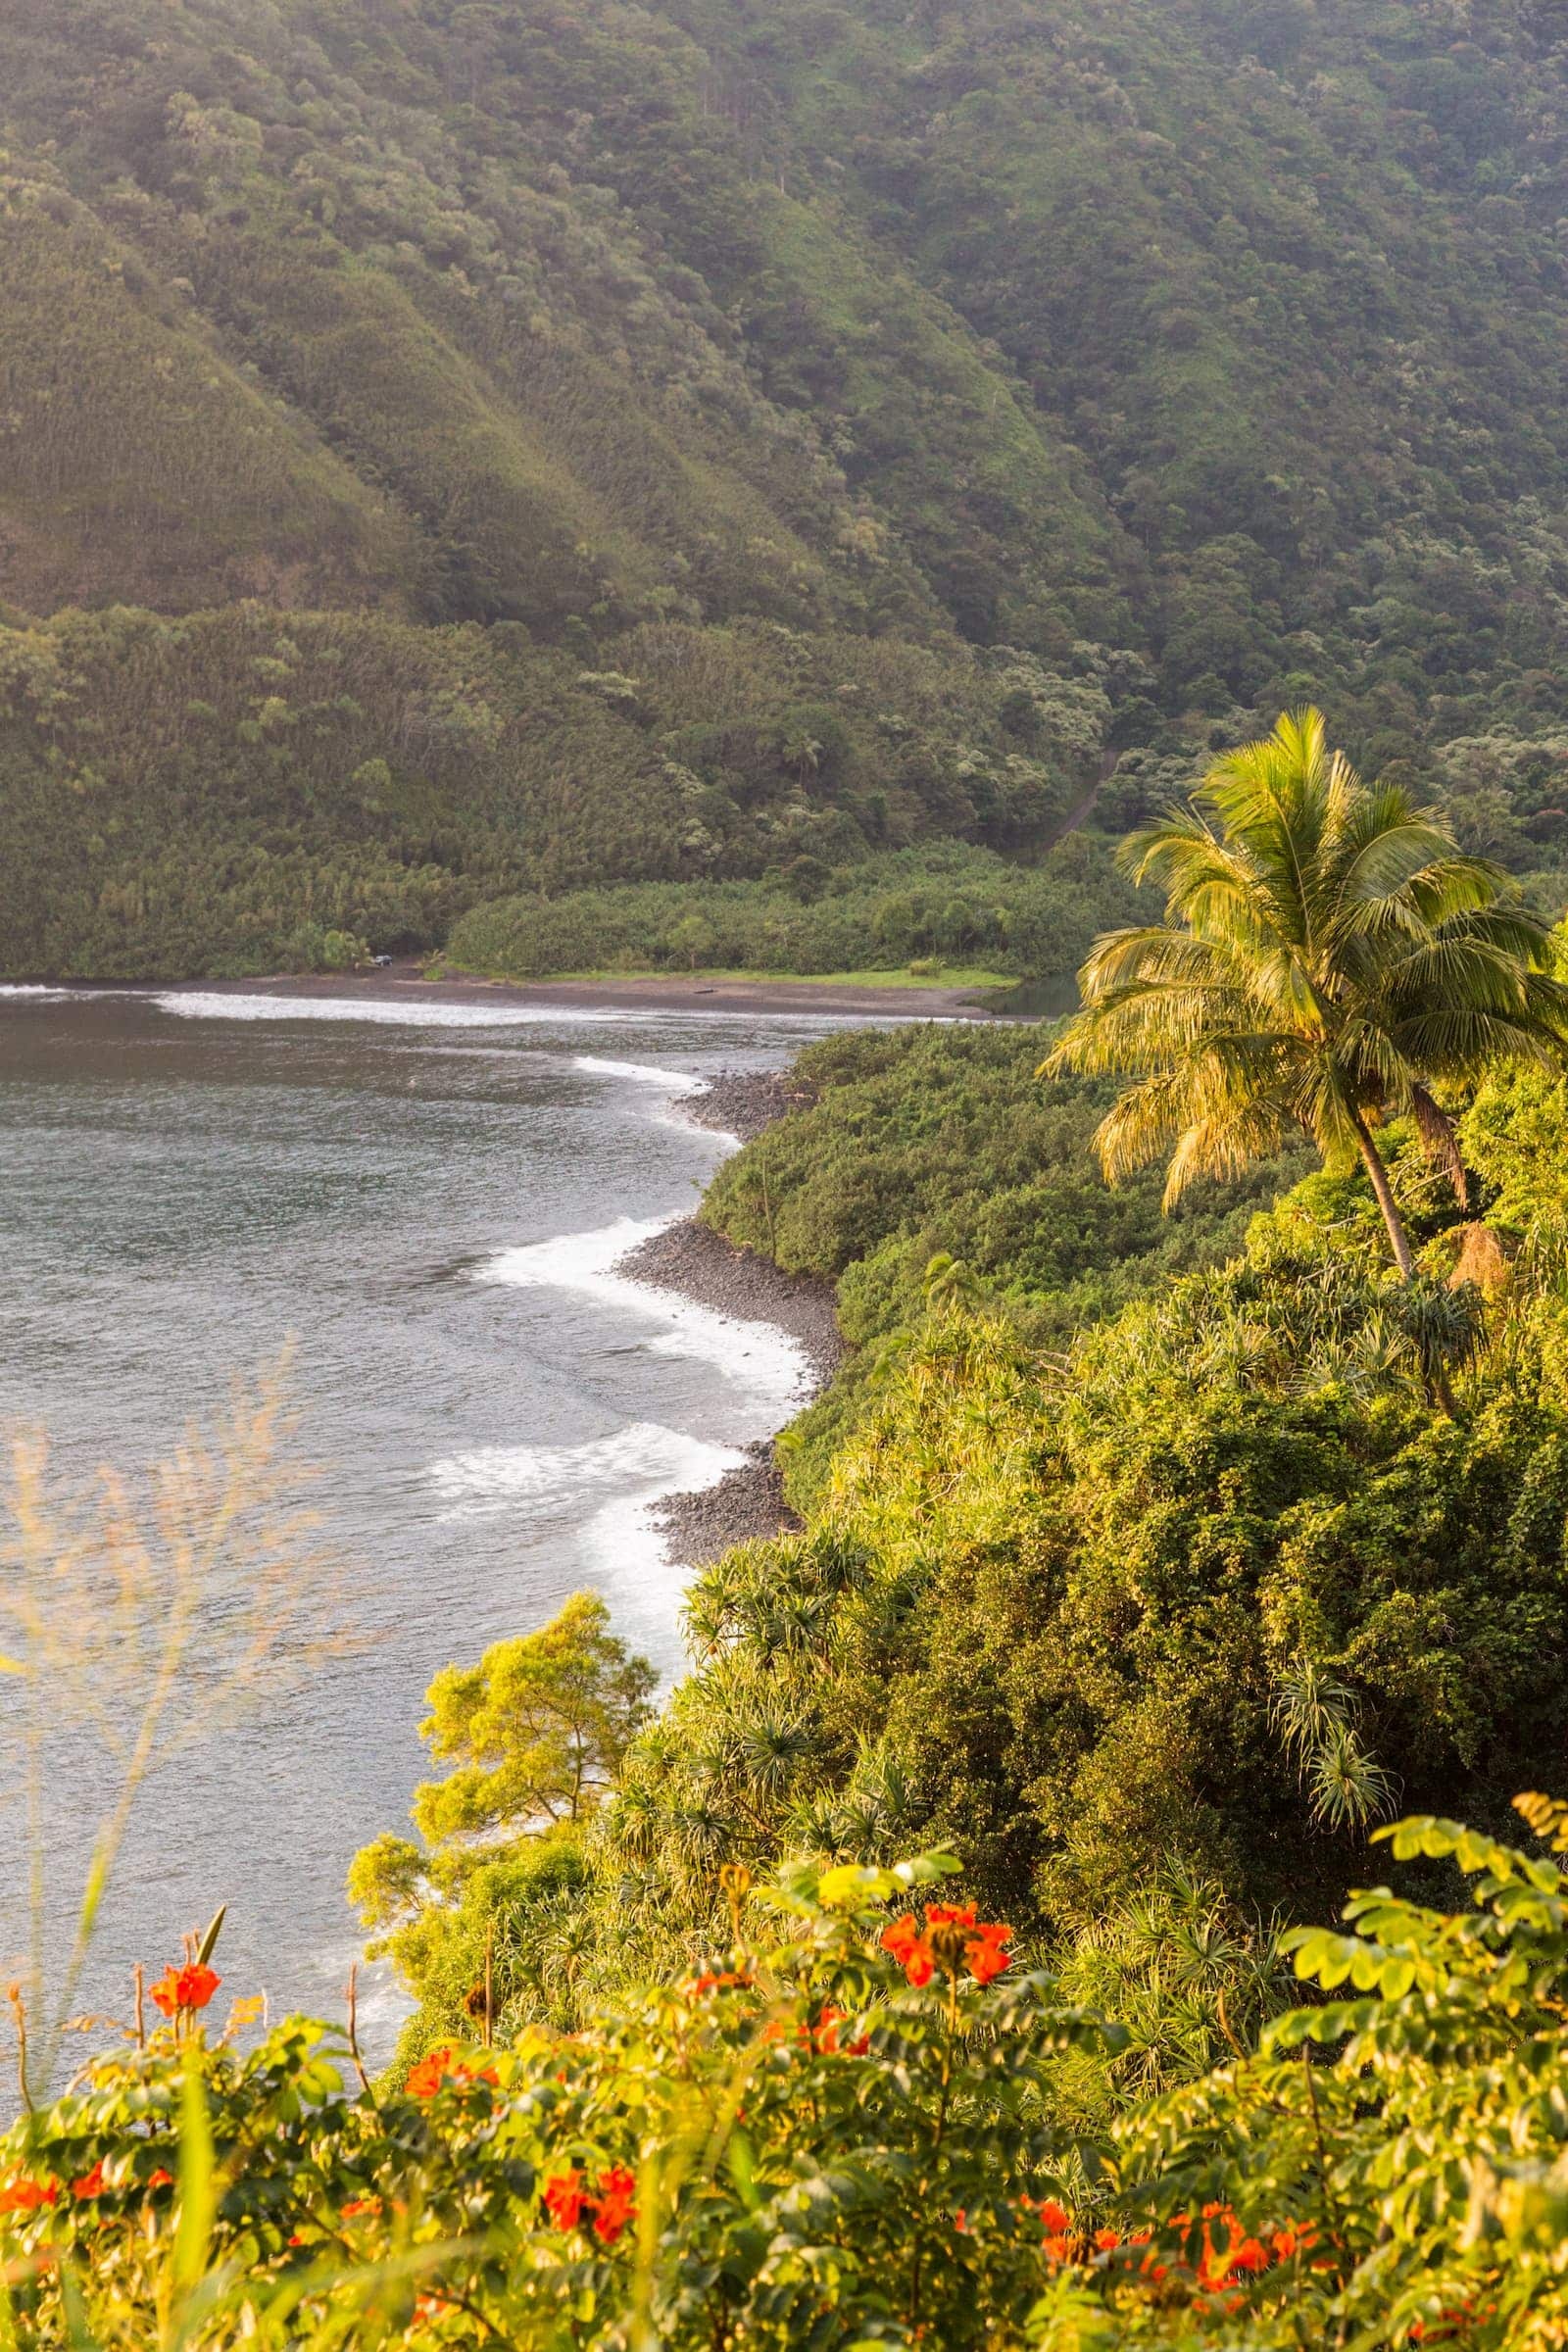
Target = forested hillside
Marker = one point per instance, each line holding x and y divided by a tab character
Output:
1205	354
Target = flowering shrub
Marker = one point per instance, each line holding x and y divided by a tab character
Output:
181	1991
840	2133
798	2142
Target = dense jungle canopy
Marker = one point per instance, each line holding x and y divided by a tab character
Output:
456	450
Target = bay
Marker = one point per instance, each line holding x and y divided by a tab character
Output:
424	1206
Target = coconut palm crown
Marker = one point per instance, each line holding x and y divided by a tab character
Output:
1329	957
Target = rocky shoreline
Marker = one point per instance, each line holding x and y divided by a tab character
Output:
702	1265
743	1102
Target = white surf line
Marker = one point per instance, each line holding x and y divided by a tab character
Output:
757	1356
672	1083
201	1005
654	1459
643	1073
57	992
623	1545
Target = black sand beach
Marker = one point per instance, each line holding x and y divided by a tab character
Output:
703	1266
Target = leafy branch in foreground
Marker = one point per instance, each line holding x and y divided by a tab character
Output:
843	2129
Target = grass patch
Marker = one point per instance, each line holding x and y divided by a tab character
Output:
947	975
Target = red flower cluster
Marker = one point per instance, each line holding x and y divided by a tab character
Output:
911	1947
437	2067
721	1981
187	1988
610	2205
91	2185
25	2196
824	2035
1219	2265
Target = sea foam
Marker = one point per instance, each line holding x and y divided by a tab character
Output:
770	1365
45	990
647	1459
204	1005
644	1073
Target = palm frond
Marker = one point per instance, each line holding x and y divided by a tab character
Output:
1328	955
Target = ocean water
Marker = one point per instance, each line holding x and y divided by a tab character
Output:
427	1206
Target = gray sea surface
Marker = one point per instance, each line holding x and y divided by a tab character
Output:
425	1208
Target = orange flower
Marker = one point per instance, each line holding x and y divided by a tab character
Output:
160	2179
721	1981
359	2205
439	2067
1056	2218
614	2204
985	1955
905	1944
91	2185
824	2034
983	1950
25	2196
609	2206
190	1988
564	2198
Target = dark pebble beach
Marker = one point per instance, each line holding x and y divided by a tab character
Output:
700	1264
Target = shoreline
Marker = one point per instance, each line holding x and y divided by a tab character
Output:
658	993
689	1260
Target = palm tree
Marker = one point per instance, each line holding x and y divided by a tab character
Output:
1329	957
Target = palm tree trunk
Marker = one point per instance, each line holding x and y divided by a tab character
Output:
1439	1390
1379	1175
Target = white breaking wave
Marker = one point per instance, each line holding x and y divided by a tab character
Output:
648	1459
625	1551
768	1362
199	1005
47	988
623	1547
644	1072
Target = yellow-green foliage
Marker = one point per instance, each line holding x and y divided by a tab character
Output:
845	2128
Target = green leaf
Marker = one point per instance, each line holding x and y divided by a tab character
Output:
210	1940
924	1869
853	1881
198	2177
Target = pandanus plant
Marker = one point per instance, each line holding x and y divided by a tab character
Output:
1330	957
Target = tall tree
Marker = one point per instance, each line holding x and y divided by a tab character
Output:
1329	957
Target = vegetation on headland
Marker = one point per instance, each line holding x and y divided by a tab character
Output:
920	907
1141	1612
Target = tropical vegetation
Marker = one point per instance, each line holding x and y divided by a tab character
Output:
569	486
1329	957
844	2129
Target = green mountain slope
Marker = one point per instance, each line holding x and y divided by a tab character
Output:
1221	336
